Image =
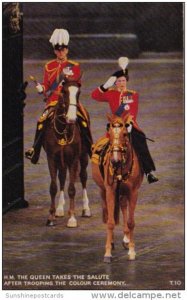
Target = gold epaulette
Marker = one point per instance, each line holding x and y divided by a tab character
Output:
131	91
73	62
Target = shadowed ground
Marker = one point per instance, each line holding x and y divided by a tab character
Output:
29	247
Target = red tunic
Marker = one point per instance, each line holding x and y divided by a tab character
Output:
114	98
52	71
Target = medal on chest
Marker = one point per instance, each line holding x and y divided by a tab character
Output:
126	100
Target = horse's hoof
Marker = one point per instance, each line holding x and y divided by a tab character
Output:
50	223
132	257
72	223
59	212
125	245
107	259
113	246
86	213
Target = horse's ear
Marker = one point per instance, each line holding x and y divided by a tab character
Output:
109	117
128	120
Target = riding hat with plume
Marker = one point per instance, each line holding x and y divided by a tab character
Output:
59	39
122	62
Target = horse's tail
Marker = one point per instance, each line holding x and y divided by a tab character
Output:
117	204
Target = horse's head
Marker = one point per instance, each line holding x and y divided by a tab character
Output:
119	140
69	99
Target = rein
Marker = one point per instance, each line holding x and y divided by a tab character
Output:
57	118
113	170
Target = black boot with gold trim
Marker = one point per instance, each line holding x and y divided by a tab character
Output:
34	153
86	135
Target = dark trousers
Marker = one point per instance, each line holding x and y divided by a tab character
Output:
140	146
86	135
38	139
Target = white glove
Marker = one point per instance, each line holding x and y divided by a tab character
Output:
110	82
39	88
129	128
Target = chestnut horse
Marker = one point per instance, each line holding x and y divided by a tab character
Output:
119	183
65	151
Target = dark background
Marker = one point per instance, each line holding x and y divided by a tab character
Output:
104	30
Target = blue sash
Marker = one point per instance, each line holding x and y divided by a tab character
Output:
120	109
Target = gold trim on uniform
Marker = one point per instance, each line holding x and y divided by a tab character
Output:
84	124
53	72
131	91
52	103
40	126
73	62
48	64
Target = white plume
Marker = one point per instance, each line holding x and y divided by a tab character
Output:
123	62
59	36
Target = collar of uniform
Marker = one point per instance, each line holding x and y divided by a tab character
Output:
121	92
61	61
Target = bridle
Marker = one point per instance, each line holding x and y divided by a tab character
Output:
60	118
117	169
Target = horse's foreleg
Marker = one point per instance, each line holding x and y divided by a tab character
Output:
52	190
83	177
124	208
131	225
72	222
108	247
104	205
61	200
86	212
105	212
110	199
60	206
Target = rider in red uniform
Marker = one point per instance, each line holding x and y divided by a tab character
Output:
54	73
53	70
122	102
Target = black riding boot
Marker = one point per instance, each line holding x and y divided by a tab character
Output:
141	148
87	139
86	136
34	153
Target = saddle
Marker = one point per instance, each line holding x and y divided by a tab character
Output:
99	153
47	113
82	115
82	120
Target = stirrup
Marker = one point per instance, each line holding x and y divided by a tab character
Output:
151	178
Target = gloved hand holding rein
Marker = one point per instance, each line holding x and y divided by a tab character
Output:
39	88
